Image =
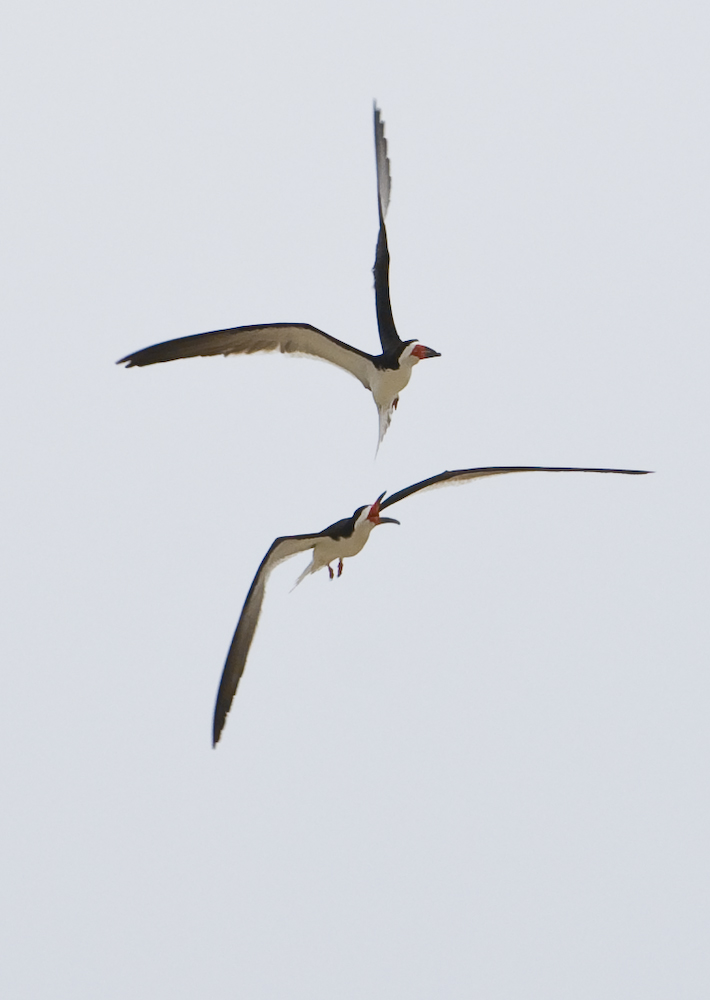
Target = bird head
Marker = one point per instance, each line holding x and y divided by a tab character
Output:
419	352
374	513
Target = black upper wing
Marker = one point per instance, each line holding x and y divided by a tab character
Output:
342	528
463	475
389	337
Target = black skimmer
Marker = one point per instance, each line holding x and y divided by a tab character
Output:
385	374
336	542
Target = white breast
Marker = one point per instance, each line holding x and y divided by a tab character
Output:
388	383
327	550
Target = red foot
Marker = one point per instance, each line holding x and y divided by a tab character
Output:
396	400
331	574
340	567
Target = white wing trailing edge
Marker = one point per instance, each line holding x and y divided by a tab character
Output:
299	339
460	476
282	548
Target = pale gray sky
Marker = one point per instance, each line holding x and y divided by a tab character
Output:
475	766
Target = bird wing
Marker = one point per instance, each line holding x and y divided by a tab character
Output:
389	337
384	178
282	548
288	338
463	475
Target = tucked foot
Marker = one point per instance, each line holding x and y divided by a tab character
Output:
340	567
396	400
331	574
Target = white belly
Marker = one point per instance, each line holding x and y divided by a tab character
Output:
388	383
327	550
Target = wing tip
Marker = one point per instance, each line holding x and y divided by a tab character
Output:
625	472
379	124
218	723
384	176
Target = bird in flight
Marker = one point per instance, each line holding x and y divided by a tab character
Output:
385	374
338	541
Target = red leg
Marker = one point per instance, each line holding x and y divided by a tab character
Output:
396	400
340	567
330	571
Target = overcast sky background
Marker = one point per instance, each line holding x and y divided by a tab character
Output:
477	765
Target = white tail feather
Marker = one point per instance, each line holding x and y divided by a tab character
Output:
385	415
310	568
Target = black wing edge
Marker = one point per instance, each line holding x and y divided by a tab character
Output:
215	342
384	173
389	338
243	637
234	665
493	470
